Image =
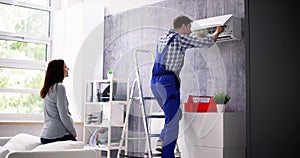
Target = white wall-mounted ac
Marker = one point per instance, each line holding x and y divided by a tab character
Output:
232	30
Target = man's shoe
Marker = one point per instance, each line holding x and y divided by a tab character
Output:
159	145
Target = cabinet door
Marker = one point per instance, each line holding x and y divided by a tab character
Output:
213	129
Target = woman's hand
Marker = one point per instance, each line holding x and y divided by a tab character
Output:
74	134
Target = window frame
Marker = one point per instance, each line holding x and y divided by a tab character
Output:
25	64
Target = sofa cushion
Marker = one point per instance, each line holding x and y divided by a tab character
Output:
23	142
4	140
59	145
3	152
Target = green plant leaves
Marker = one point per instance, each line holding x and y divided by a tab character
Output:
221	98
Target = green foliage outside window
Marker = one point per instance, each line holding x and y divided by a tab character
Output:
20	102
29	82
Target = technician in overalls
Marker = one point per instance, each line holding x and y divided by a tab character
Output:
165	82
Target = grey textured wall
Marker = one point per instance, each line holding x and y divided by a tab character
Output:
206	70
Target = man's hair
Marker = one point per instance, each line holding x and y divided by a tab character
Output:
178	21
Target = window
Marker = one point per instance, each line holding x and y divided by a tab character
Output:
25	42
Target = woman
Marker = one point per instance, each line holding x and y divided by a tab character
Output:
58	124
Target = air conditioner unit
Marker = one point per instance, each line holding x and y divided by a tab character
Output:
232	29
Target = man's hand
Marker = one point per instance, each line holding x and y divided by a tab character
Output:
219	29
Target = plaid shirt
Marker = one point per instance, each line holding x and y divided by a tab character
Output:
176	51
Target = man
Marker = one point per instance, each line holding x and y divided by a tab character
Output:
165	82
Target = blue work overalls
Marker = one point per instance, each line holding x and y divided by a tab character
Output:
165	87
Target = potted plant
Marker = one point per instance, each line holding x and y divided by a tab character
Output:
109	74
221	99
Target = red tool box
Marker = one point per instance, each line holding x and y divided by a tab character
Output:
200	104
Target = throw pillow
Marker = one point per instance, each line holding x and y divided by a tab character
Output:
59	145
23	142
3	152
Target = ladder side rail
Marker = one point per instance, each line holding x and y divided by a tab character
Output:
125	125
140	90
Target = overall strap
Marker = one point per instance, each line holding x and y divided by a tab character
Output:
171	39
161	56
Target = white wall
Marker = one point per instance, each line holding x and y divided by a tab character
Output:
78	39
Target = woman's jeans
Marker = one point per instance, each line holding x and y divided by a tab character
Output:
66	137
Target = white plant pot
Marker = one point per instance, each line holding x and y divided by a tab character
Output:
110	76
220	107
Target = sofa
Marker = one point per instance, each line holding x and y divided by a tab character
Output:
25	145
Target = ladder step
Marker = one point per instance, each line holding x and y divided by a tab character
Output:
154	154
133	138
135	98
145	98
154	135
155	116
123	155
149	98
139	138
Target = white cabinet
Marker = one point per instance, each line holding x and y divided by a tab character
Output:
212	135
104	113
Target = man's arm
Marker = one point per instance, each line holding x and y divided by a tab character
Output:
201	40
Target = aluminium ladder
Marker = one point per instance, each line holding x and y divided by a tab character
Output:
141	99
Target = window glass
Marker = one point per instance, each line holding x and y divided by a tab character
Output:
20	103
24	20
21	78
22	50
24	43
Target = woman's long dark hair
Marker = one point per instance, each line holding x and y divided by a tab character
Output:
54	74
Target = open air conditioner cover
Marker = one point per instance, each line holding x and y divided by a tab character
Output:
232	30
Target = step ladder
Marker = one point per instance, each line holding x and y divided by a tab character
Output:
141	99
